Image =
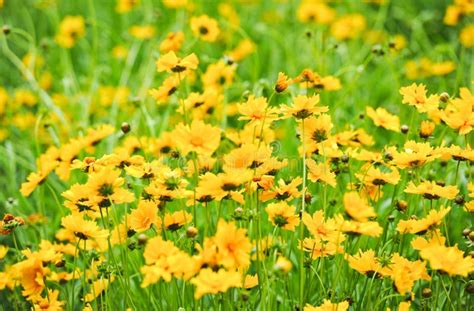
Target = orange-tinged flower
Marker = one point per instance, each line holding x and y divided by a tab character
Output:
256	111
282	82
199	137
144	216
432	191
432	220
357	208
172	42
205	28
283	215
415	95
171	63
210	282
320	172
383	118
50	302
405	273
83	229
233	245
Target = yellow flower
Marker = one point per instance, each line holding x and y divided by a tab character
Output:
320	172
242	50
98	287
459	113
414	155
315	11
177	220
233	245
210	282
144	216
283	264
404	273
357	208
3	251
303	107
205	28
415	95
70	29
432	191
199	137
448	259
175	4
383	118
83	229
171	63
142	32
367	263
433	219
125	6
256	111
374	176
348	26
218	75
328	306
172	42
466	36
50	302
167	88
283	215
282	82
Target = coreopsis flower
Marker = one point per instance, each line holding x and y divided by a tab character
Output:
326	230
83	229
374	176
107	185
172	42
218	75
368	228
282	215
175	4
303	107
176	220
169	62
9	223
222	186
405	273
210	282
205	28
3	251
119	52
320	172
459	113
348	27
125	6
420	226
354	138
413	155
383	118
367	263
157	248
447	259
317	130
282	82
283	191
49	303
283	264
466	36
31	274
256	111
319	248
144	216
71	29
358	208
168	87
143	32
233	244
242	50
250	281
315	12
456	153
415	95
199	137
426	129
97	288
432	191
328	306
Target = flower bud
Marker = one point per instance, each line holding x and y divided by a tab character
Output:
191	232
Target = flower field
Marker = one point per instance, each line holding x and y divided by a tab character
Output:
236	155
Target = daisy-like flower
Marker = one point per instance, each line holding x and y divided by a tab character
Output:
205	28
413	155
173	64
176	220
282	83
303	107
357	208
282	215
256	110
367	263
374	176
172	42
419	226
459	113
328	306
142	32
369	228
405	273
71	29
83	229
383	118
233	244
320	172
415	95
432	191
210	282
50	302
144	216
317	131
167	88
125	6
199	137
